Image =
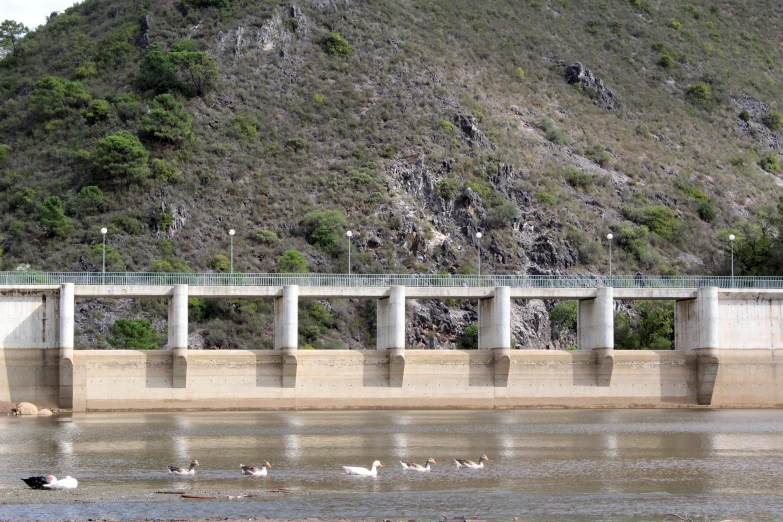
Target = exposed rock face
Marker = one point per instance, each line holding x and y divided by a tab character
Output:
435	326
144	39
754	128
26	408
604	97
469	127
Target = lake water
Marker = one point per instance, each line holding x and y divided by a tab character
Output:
580	465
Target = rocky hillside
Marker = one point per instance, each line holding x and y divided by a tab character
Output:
415	124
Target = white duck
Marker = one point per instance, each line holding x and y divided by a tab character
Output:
412	466
351	470
174	470
67	483
461	463
255	472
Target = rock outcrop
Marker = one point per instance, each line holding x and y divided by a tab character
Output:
593	86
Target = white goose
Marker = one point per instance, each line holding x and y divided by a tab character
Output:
255	472
174	470
412	466
351	470
67	483
461	463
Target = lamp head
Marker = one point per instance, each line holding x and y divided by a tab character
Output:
731	237
103	231
609	237
478	235
349	234
231	232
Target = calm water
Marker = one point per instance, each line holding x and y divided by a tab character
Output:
587	465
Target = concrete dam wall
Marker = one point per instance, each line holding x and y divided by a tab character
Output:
335	379
725	355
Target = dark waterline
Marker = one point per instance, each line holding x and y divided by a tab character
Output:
580	465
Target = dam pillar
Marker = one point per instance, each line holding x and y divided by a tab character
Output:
707	349
595	331
72	380
391	332
287	332
494	331
178	335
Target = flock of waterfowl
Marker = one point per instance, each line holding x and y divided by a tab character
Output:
51	482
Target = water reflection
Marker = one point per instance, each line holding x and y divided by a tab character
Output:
565	465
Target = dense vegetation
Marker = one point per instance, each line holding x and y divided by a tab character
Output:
413	124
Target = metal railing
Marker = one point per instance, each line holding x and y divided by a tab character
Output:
385	280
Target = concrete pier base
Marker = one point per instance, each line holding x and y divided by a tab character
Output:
178	335
595	331
391	333
72	381
290	367
494	332
708	349
287	333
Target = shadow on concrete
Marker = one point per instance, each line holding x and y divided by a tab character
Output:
584	369
269	368
481	370
375	369
158	368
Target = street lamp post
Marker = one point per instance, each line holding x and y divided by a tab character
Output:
349	234
731	240
103	255
478	237
610	237
231	263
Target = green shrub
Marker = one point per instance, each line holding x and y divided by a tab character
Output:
128	224
705	212
133	334
173	266
737	161
55	97
659	47
770	163
744	115
295	145
447	188
91	200
553	133
773	120
447	127
291	262
264	236
53	218
163	170
243	128
292	24
5	151
519	73
563	315
98	110
219	262
87	71
545	198
167	121
674	24
590	252
336	45
691	192
658	219
579	179
122	158
666	61
699	94
470	337
503	215
479	186
598	155
113	258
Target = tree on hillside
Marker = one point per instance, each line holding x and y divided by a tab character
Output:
167	121
10	32
198	68
291	262
122	157
53	217
133	334
55	97
157	73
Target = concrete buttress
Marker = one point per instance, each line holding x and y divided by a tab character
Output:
287	332
178	335
595	331
391	332
708	348
494	331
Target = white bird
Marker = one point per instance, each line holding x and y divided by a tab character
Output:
255	472
461	463
412	466
350	470
174	470
67	483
